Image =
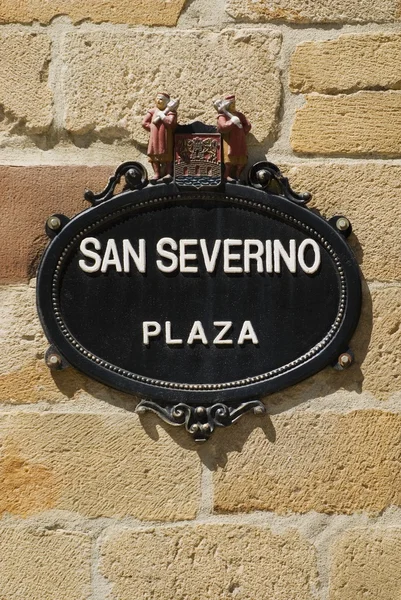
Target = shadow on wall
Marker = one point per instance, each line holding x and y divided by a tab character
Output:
324	384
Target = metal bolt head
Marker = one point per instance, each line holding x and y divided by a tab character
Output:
53	361
205	427
54	223
342	224
263	176
194	428
200	411
345	360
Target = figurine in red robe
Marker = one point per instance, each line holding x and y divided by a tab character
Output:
161	122
234	126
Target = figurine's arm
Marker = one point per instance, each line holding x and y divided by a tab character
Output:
147	121
170	120
246	125
224	124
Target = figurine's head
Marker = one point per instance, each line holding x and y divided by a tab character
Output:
162	100
231	99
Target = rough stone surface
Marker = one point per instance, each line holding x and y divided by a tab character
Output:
20	334
347	64
25	97
369	194
95	465
140	12
39	564
304	461
381	368
29	195
196	65
319	11
366	564
365	123
24	376
209	561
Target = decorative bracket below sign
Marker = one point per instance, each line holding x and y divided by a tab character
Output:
201	421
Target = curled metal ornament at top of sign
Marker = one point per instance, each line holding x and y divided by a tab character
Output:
199	300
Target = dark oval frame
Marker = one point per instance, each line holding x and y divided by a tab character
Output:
326	353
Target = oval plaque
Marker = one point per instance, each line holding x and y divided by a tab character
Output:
198	297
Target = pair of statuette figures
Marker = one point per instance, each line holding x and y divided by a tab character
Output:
161	122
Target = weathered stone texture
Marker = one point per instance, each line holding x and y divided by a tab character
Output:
381	368
134	66
43	565
95	465
365	123
369	194
25	97
29	195
209	561
318	11
366	564
324	462
20	335
347	64
24	376
140	12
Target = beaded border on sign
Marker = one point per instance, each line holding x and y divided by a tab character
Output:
203	386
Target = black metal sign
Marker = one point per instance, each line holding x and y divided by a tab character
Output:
199	301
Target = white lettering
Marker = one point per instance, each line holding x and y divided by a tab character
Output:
166	241
269	257
184	268
148	332
197	333
247	333
210	261
111	258
289	258
138	258
256	255
169	339
90	254
229	257
226	325
301	256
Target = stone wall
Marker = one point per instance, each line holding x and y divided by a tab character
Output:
301	504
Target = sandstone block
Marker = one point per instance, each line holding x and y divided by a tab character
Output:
365	123
366	564
381	368
29	196
20	333
198	66
24	376
326	462
209	561
347	64
318	11
141	12
40	564
369	194
95	465
25	97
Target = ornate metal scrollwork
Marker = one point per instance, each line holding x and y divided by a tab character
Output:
136	178
267	176
201	421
